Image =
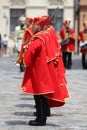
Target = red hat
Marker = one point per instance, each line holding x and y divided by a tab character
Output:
42	21
67	21
85	23
29	19
37	20
46	20
44	16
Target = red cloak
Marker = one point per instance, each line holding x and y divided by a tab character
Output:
41	75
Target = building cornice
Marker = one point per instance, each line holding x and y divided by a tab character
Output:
36	7
6	7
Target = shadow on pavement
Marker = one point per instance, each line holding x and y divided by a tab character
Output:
25	105
18	122
23	113
76	64
56	115
27	98
17	77
15	122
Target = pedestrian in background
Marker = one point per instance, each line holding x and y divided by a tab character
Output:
5	44
0	44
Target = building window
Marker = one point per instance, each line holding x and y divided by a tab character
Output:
14	18
58	19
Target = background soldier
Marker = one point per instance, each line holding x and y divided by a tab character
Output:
83	44
19	32
68	38
28	33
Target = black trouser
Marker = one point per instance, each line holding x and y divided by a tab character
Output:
84	62
67	59
22	68
41	107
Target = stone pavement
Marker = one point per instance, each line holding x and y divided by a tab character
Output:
16	109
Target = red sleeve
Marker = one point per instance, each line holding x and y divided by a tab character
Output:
72	35
28	35
33	49
62	33
80	38
22	50
25	39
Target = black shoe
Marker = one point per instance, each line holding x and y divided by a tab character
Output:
37	123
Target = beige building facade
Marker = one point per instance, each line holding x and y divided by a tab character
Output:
82	13
80	17
12	9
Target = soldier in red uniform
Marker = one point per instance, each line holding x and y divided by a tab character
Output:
83	44
45	74
28	33
68	38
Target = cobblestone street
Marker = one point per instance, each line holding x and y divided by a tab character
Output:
16	109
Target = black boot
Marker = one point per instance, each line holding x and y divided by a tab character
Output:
37	122
41	103
46	107
48	114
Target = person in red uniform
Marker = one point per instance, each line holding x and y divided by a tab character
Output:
68	38
83	44
28	33
54	60
45	74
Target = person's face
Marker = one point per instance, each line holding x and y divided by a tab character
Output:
85	26
36	28
22	22
27	23
45	27
67	25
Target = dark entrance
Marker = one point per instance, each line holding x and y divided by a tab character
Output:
58	18
14	18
